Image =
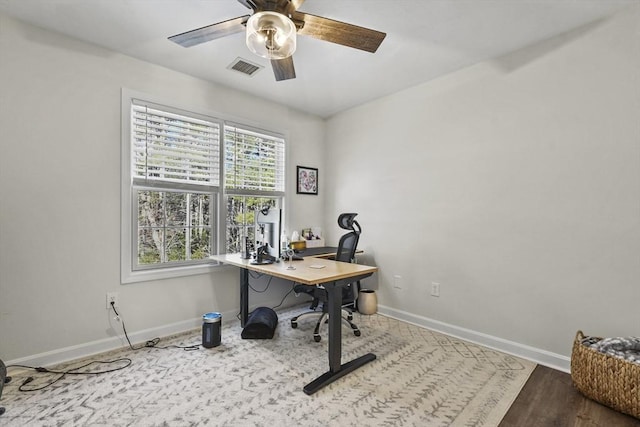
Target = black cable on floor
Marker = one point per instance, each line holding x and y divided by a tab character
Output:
64	373
151	343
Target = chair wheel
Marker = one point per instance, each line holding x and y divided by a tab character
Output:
294	324
317	338
356	333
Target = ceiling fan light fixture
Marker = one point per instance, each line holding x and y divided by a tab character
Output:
271	35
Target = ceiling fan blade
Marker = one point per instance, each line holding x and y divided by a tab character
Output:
211	32
283	69
340	32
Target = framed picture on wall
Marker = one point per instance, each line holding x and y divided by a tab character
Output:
307	180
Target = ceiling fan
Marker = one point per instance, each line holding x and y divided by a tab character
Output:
271	32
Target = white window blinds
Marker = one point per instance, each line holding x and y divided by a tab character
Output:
254	161
170	147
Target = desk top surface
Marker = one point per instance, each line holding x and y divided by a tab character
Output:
309	271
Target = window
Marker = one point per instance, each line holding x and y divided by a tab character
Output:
254	167
174	211
173	227
171	184
241	215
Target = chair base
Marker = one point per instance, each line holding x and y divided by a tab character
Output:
324	318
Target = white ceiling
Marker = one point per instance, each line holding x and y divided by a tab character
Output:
425	39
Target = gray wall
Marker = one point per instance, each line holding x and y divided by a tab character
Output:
60	196
515	184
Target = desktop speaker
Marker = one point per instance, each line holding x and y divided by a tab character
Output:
261	324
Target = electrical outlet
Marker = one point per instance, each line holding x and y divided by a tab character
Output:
112	297
397	281
435	289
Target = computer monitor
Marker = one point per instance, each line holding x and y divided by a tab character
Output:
268	224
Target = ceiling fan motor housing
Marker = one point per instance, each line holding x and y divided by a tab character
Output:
271	35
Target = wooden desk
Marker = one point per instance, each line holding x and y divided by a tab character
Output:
321	252
332	276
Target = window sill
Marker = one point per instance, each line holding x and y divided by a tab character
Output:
166	273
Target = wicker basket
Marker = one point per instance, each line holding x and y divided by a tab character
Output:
606	379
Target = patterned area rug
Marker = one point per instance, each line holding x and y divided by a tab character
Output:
420	378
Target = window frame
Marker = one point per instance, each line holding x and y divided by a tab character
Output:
129	215
278	193
129	271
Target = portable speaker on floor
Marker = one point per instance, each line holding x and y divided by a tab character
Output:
261	324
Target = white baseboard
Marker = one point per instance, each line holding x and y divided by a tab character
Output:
54	357
542	357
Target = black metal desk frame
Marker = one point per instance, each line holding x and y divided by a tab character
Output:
336	368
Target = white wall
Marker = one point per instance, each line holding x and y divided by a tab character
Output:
515	184
60	193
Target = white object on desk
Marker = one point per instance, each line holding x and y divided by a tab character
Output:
316	266
314	243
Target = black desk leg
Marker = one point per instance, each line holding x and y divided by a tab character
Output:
244	296
336	370
335	327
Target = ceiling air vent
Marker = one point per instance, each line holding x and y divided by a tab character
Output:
245	67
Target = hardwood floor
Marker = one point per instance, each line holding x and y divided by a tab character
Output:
550	399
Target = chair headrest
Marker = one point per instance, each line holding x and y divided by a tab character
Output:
346	220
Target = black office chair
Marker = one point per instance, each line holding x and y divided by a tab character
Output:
345	253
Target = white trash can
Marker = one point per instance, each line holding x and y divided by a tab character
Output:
367	301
